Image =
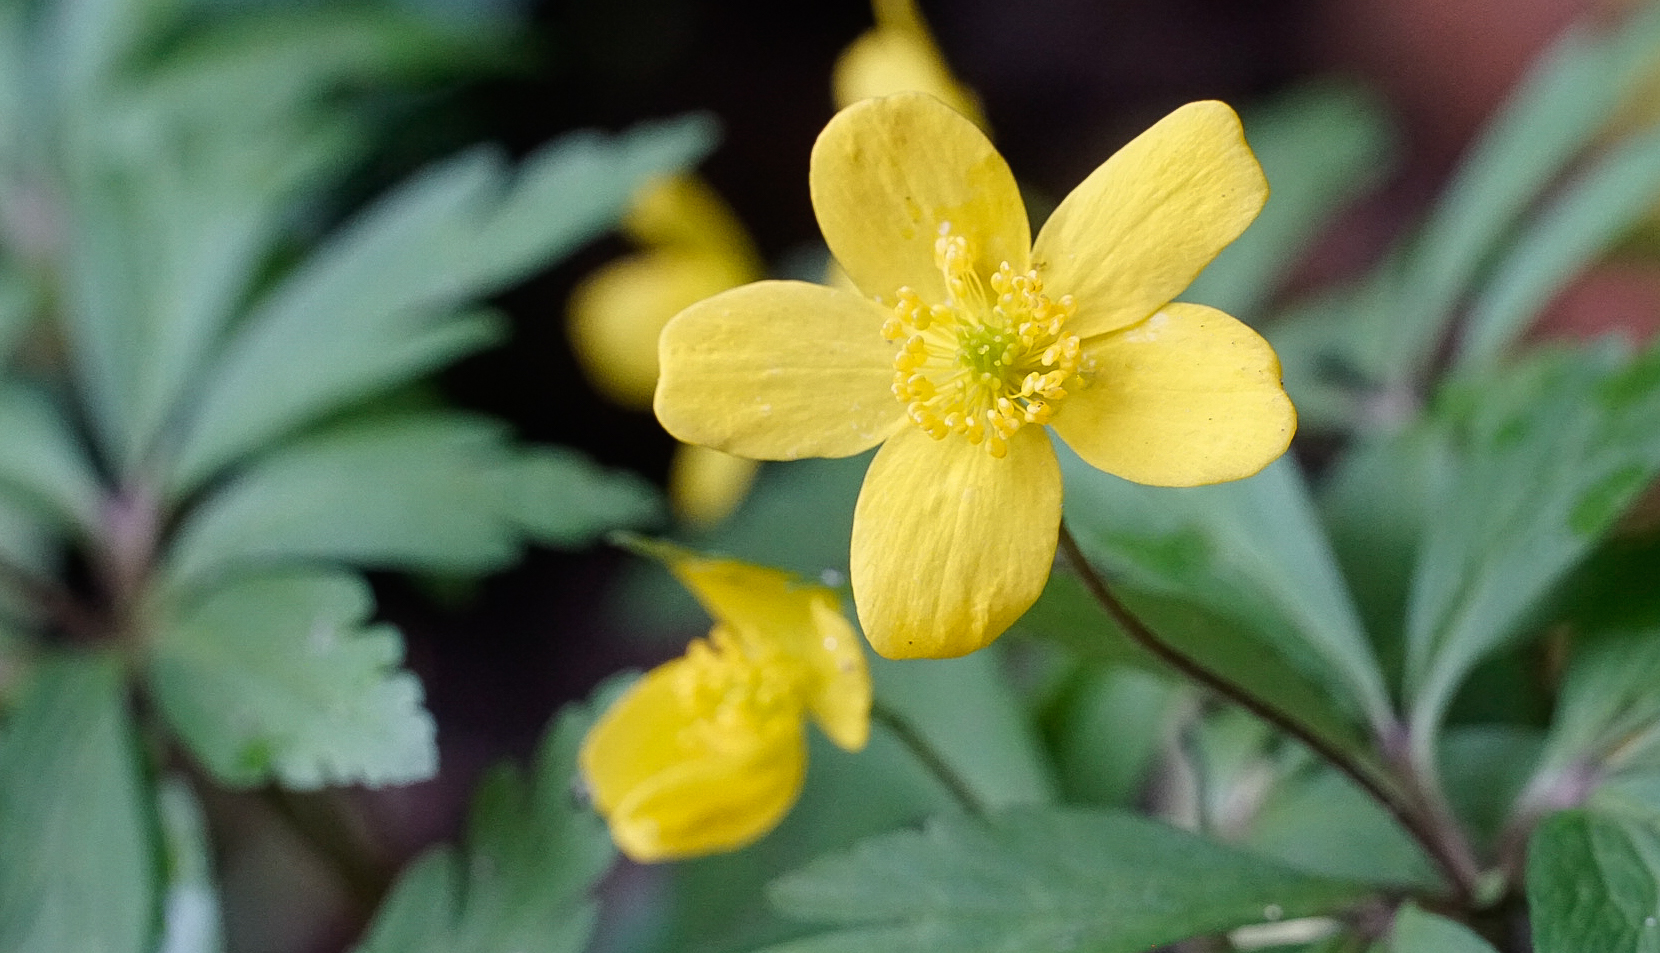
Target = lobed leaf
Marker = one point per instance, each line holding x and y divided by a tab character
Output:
524	880
278	678
1544	458
75	818
1054	879
377	304
439	492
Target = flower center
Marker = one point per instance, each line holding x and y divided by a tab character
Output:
733	692
986	361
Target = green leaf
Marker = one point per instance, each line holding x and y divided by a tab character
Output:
1317	820
1251	551
1320	145
190	906
1063	879
1561	106
561	498
1593	883
275	62
377	304
968	713
440	492
1608	704
1580	224
1106	731
81	46
523	883
1356	356
1485	768
42	465
198	209
279	678
78	872
1376	503
1416	931
1068	615
1544	458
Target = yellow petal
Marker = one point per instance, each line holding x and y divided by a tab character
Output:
898	59
778	370
888	173
681	211
617	312
840	700
951	545
672	785
1190	396
772	611
1135	233
705	485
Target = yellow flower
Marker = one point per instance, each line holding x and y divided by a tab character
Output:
707	752
968	336
691	246
898	56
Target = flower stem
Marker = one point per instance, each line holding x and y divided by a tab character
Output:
907	735
1458	870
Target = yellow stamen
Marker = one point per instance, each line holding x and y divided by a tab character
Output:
991	358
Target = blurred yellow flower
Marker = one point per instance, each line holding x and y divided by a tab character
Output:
707	752
967	336
691	247
898	55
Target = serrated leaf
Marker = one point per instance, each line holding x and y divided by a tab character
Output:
1062	879
1251	551
439	492
1544	458
198	209
1593	883
280	678
78	871
363	312
1416	931
190	917
1320	145
523	882
1577	226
